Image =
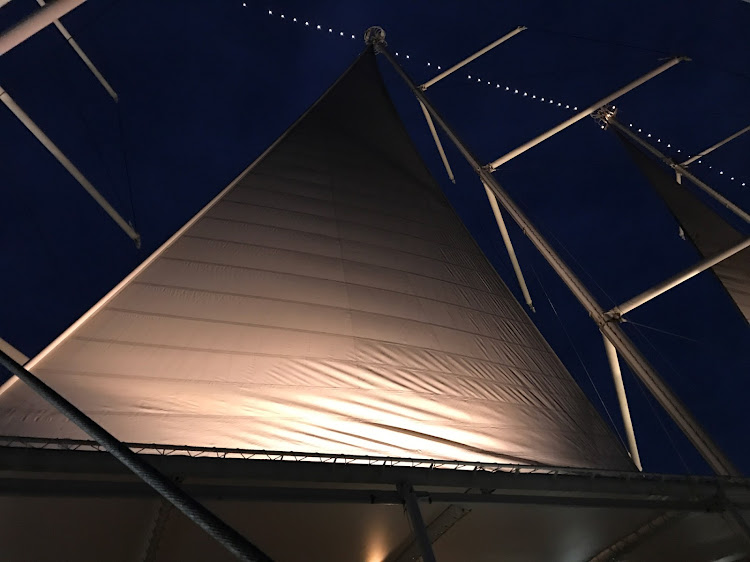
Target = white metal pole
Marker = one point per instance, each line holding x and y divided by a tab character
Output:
585	113
622	399
681	277
72	42
68	165
439	145
638	363
37	21
678	168
508	245
715	146
475	56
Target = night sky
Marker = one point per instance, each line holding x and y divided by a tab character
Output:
206	86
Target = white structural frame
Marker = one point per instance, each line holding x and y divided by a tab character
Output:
492	166
715	146
48	13
678	279
37	21
470	58
622	398
450	71
680	169
609	328
438	144
22	116
86	60
490	197
508	245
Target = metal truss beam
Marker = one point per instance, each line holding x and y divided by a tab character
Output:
563	485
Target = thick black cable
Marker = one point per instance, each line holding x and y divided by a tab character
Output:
218	529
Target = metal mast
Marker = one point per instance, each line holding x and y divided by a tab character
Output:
609	327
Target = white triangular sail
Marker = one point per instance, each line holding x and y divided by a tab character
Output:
330	301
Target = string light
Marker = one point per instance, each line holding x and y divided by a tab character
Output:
514	91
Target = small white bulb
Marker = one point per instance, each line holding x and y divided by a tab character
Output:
270	13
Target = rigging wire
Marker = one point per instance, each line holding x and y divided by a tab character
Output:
599	40
662	331
578	355
583	269
128	178
653	409
91	136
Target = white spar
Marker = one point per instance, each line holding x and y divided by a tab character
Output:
68	165
36	22
585	113
86	60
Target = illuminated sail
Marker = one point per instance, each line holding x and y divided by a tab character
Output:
330	301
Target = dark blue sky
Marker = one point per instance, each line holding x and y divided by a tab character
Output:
205	86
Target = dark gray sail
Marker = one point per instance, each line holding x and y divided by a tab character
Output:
703	226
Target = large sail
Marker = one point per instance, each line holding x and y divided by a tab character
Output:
330	301
705	228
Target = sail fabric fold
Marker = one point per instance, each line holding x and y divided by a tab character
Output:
330	302
703	226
